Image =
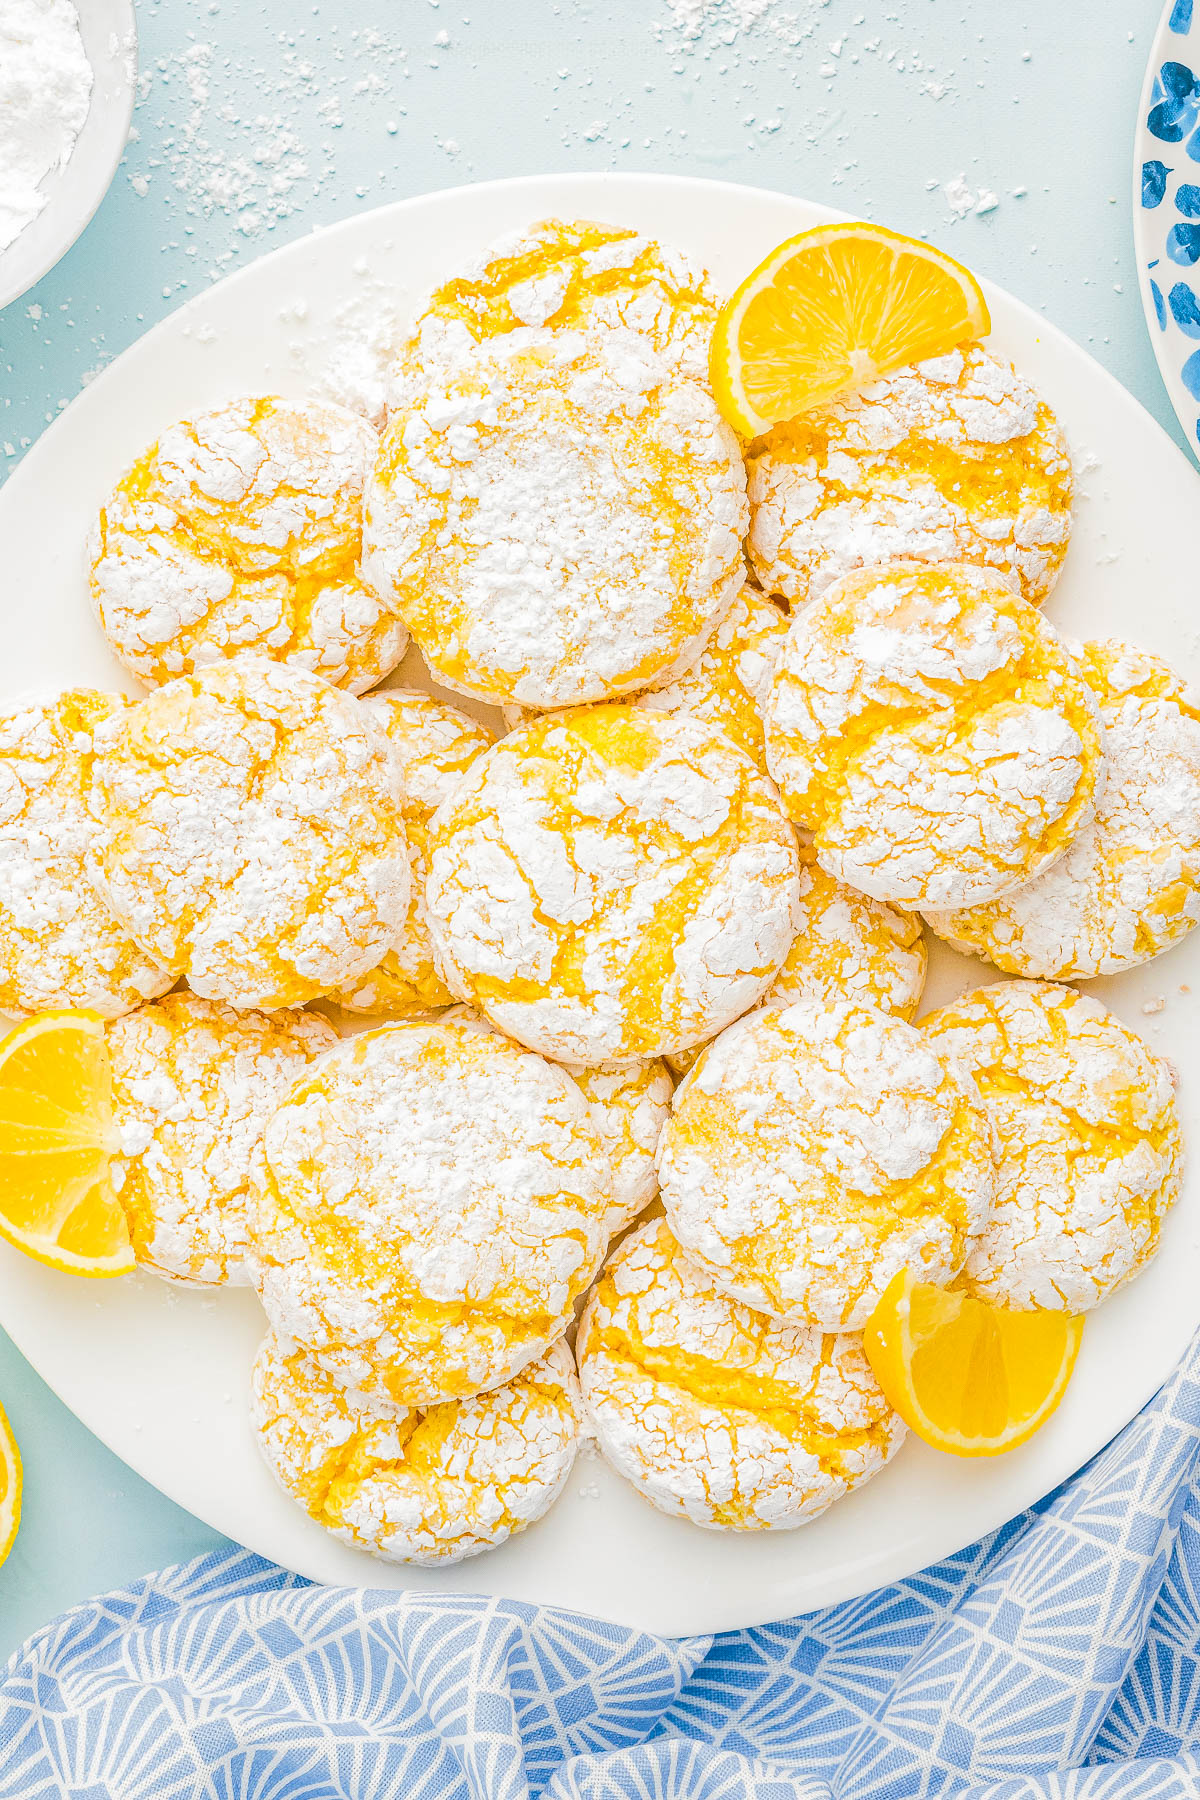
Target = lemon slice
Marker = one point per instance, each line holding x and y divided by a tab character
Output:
56	1138
832	310
10	1487
969	1378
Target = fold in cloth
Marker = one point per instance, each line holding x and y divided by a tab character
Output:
1059	1659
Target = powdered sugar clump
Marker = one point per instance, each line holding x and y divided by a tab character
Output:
45	92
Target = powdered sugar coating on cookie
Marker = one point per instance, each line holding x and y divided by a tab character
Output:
1128	886
432	1201
951	460
568	274
60	943
608	884
194	1083
240	532
252	839
1088	1137
815	1151
848	947
729	683
716	1413
434	745
557	518
431	1486
933	733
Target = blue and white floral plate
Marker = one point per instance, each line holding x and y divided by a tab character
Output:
1166	207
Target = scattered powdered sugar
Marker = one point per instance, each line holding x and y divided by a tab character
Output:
1089	1148
45	92
716	1413
815	1151
612	885
557	518
433	1201
417	1487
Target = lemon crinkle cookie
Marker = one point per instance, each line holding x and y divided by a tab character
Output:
1128	886
417	1486
432	1201
847	947
716	1413
1088	1136
252	838
434	744
240	531
816	1150
933	733
557	518
951	460
628	1104
608	884
729	683
60	943
574	274
194	1083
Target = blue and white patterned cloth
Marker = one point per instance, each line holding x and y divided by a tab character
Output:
1057	1660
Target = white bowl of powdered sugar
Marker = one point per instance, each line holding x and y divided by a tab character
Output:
68	70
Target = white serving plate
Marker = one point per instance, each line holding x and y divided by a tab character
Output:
160	1374
76	190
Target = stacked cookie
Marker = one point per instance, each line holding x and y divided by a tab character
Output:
768	707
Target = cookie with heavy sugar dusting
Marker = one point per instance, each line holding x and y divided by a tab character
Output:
240	532
252	838
574	275
714	1412
609	884
557	518
194	1083
60	942
952	460
1128	885
934	734
432	1201
426	1486
434	745
1088	1136
815	1151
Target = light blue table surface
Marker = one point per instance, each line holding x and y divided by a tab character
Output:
260	119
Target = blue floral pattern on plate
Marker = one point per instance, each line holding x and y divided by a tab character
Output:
1167	207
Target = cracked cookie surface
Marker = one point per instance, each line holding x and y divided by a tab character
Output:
815	1151
434	745
252	839
717	1413
60	943
951	460
423	1486
1088	1140
608	885
574	274
557	518
194	1083
933	733
240	532
431	1201
1128	885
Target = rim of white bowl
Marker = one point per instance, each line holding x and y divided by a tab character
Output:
74	192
